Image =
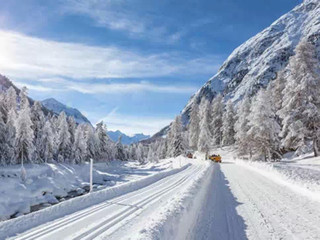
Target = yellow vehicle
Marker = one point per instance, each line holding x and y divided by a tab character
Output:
215	158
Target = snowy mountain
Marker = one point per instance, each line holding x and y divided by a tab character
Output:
256	62
114	135
57	107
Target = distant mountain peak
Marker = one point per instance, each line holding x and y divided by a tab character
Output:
58	107
127	140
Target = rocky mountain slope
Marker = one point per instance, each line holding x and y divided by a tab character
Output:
256	62
114	135
57	107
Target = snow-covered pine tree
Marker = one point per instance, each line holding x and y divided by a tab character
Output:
215	125
163	149
38	122
120	154
205	137
132	152
72	126
228	131
92	141
3	141
10	103
242	127
176	141
80	145
264	128
103	141
6	151
140	154
64	144
301	103
193	127
24	133
277	89
47	142
150	157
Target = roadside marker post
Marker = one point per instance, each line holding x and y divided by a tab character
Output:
91	169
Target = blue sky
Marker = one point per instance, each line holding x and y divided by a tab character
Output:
133	64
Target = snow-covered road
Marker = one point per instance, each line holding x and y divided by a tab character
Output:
245	204
271	210
122	216
203	200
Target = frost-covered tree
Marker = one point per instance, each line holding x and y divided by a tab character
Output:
264	128
3	142
24	133
242	127
47	142
177	143
301	102
140	153
10	117
120	153
72	126
163	149
132	152
38	122
193	127
10	100
205	137
64	143
228	131
91	141
151	154
80	145
103	141
215	125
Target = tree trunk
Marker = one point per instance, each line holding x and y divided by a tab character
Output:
315	147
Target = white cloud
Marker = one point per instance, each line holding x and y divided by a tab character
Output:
121	16
132	124
31	58
60	84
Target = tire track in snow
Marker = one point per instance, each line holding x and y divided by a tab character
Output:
110	222
72	219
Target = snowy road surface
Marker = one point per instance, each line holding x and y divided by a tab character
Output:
203	201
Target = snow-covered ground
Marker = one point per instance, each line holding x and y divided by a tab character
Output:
136	209
189	199
49	184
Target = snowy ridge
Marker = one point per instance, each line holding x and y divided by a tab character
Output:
256	62
127	140
58	107
26	222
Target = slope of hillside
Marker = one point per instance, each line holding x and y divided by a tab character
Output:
256	62
57	107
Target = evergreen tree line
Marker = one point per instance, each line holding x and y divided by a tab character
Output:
283	117
173	145
27	135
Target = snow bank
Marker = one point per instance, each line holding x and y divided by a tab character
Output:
44	182
173	221
47	184
23	223
305	181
